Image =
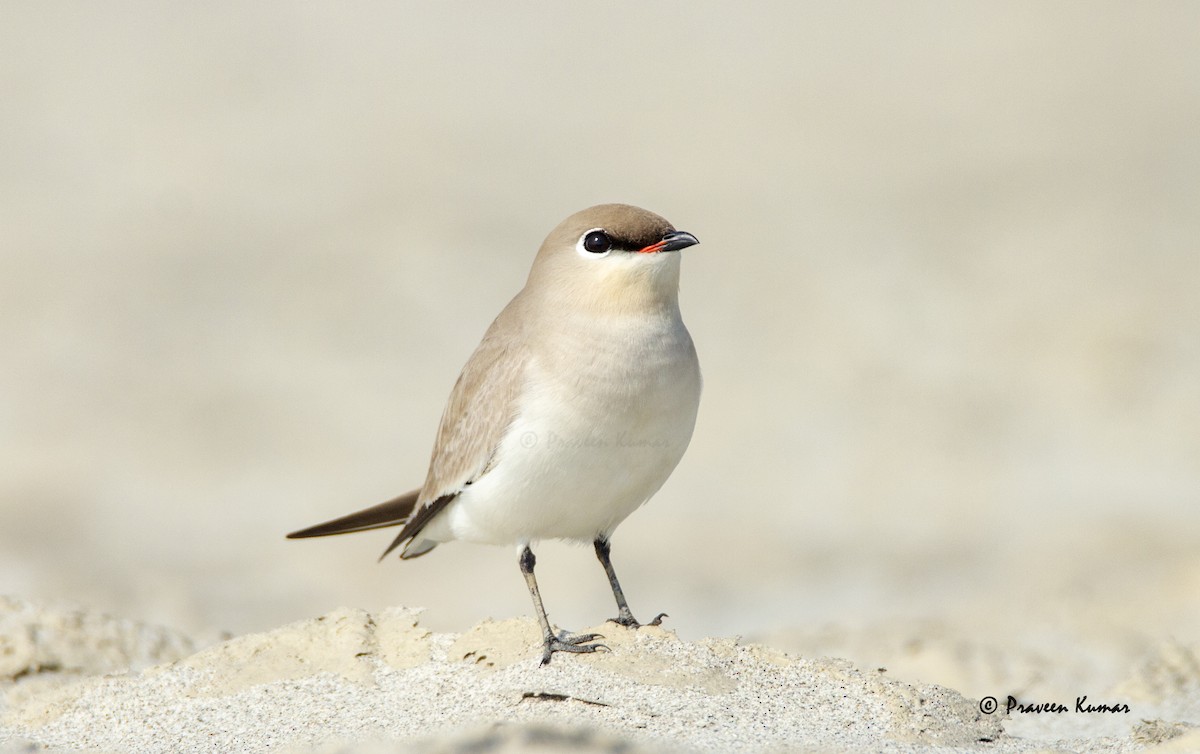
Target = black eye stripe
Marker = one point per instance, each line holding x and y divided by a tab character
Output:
599	241
621	245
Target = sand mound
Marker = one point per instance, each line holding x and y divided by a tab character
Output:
350	681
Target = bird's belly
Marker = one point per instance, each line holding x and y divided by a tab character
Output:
574	464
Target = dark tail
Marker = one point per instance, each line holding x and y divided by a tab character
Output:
392	513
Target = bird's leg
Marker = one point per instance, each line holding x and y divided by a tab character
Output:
550	642
624	616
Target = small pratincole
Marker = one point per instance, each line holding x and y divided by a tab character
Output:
572	412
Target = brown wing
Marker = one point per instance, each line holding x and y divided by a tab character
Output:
392	513
481	407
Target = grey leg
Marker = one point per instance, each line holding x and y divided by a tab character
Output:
624	616
550	642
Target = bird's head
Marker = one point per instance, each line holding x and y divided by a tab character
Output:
611	256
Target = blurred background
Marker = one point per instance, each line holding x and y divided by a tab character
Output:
946	305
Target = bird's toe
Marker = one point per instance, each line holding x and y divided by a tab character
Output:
577	644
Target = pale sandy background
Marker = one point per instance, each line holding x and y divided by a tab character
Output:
946	305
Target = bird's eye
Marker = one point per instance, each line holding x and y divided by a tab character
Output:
597	242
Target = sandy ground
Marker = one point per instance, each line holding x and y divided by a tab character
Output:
348	678
945	304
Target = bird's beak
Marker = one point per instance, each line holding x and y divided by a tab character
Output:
673	241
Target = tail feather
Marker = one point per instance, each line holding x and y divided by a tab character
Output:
413	527
392	513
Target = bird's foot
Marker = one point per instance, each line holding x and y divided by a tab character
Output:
574	644
627	620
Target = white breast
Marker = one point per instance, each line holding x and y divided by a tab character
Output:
605	417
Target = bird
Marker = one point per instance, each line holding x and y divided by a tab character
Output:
571	413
